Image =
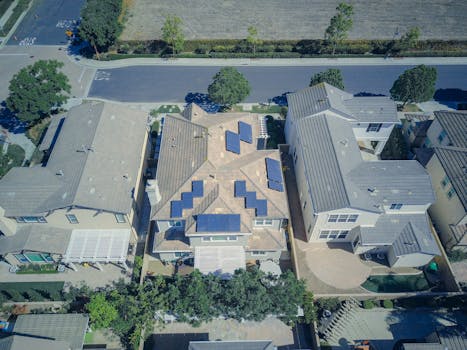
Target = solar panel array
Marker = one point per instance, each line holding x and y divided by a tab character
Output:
232	142
186	202
274	173
251	202
218	223
244	129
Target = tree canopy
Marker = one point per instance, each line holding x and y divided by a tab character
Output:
407	41
415	85
228	87
99	23
101	311
252	38
172	33
36	89
339	25
331	76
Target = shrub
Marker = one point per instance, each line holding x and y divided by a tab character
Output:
368	304
284	48
456	255
331	304
388	304
202	49
265	48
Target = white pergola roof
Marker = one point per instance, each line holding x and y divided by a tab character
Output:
219	260
98	246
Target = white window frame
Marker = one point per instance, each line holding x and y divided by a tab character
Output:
396	206
120	218
445	181
333	234
181	254
374	127
333	218
72	218
263	222
258	253
450	193
230	238
175	223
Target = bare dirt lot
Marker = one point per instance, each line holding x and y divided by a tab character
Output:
296	19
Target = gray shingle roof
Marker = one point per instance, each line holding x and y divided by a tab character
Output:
55	123
36	238
454	163
94	164
232	345
455	125
448	338
17	342
408	232
69	328
375	109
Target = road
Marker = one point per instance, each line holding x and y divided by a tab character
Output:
172	84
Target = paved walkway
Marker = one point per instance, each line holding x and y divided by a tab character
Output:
277	62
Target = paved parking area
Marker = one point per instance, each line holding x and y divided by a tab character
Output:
46	23
296	19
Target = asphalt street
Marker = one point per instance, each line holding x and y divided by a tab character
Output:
173	84
46	23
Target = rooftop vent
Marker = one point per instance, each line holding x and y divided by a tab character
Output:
59	173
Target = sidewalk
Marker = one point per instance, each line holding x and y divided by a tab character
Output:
277	62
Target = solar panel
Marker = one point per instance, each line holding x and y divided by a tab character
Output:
261	207
277	186
240	188
250	200
187	200
273	169
244	129
197	188
176	209
232	142
218	223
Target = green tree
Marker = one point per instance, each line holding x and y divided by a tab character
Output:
331	76
101	311
286	293
228	87
339	25
99	23
172	33
36	89
309	308
409	39
13	157
252	38
415	85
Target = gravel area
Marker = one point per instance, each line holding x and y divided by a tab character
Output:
296	19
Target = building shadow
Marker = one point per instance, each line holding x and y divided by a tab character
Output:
173	340
281	100
9	121
203	101
452	98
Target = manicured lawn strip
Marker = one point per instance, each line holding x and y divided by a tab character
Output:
266	109
17	11
396	284
168	109
4	5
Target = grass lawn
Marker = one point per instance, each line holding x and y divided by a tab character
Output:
396	284
266	109
17	11
89	338
169	109
14	291
410	107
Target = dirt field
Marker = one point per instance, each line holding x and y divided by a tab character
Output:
296	19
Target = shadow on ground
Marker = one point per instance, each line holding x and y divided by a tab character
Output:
9	121
451	97
203	101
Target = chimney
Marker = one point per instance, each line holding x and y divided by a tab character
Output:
152	190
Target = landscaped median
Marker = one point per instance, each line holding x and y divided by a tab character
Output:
17	11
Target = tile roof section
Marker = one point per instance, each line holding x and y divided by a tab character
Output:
19	342
454	163
455	125
232	345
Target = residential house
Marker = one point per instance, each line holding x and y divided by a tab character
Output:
216	197
46	332
444	155
376	206
84	203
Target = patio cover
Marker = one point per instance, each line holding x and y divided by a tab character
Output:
219	260
98	246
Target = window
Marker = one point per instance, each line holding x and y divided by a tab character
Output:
181	254
343	218
442	136
427	143
450	193
173	223
31	219
263	222
356	241
333	234
396	206
120	218
374	127
72	218
21	258
219	238
445	181
258	253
